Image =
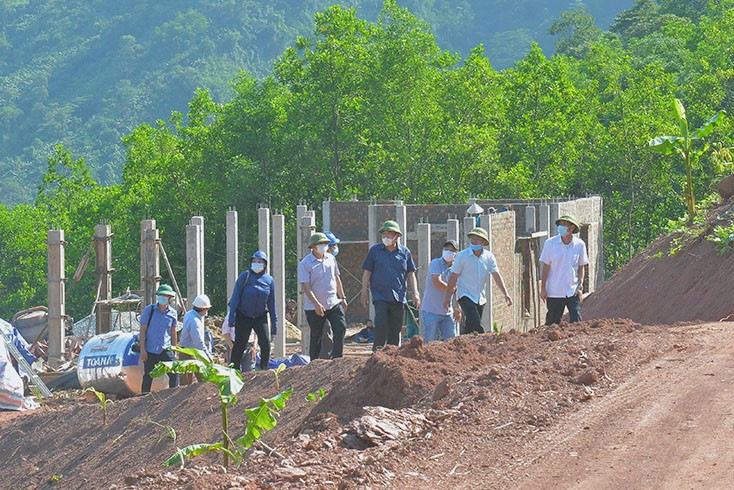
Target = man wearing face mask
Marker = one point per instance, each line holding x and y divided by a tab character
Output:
435	317
563	257
318	275
327	338
252	299
470	273
157	334
193	333
388	272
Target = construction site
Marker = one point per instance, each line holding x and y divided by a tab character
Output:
637	394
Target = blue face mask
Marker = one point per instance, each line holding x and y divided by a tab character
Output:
257	267
162	300
335	251
476	247
562	230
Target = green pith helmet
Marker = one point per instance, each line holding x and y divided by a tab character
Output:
165	290
317	238
390	225
570	219
481	233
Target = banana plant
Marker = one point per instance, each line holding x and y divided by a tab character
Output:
683	145
228	380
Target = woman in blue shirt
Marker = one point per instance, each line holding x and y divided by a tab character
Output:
253	298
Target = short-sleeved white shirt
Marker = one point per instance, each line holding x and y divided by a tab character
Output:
564	261
474	272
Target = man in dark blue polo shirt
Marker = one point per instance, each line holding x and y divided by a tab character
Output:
388	271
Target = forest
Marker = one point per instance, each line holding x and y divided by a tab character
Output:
379	110
87	72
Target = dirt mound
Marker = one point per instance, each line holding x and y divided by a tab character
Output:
465	403
679	278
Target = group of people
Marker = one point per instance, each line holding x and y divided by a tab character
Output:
454	289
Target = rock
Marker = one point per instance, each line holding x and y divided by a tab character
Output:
442	389
289	473
553	335
589	377
726	187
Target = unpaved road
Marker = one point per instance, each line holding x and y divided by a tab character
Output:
670	426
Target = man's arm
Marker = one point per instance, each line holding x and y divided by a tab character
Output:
340	292
450	287
141	340
437	282
501	284
413	285
581	275
319	308
365	298
543	280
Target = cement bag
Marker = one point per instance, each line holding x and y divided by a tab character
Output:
11	385
109	364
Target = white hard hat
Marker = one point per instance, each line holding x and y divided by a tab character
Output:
202	301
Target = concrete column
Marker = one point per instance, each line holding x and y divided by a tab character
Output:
326	215
263	235
372	238
194	281
151	262
469	223
530	219
401	218
103	273
199	221
307	227
56	297
372	225
452	230
423	231
232	251
487	316
555	212
279	277
146	224
544	223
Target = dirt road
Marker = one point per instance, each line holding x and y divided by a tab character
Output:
668	426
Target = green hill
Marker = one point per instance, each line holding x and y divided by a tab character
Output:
85	73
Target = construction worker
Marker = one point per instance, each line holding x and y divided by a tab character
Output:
193	333
435	318
158	323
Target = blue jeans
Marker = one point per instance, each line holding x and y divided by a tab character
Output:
434	323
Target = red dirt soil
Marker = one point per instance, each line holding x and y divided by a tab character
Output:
606	403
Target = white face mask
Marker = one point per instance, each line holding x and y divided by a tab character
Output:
335	251
448	255
387	241
322	248
257	267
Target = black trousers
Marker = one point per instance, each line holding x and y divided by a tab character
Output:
472	315
338	322
556	306
149	364
388	323
243	327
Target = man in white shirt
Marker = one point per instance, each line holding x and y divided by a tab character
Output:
470	273
563	257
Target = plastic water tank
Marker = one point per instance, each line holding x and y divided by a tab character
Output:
108	364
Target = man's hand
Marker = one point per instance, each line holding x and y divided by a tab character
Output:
580	293
345	305
365	298
320	310
143	355
417	300
543	294
508	298
457	314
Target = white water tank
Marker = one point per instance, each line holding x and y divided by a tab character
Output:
108	364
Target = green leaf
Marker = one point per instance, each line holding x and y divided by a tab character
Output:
196	450
665	144
710	126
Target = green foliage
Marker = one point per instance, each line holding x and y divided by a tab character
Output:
723	237
103	402
315	397
683	145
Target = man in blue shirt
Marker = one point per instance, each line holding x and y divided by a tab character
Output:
318	275
193	333
157	334
252	299
388	271
435	317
